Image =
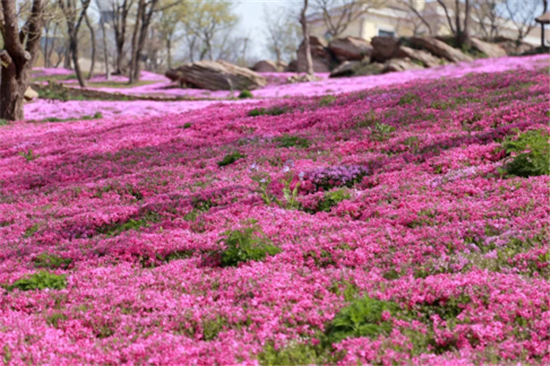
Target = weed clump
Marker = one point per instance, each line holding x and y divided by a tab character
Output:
231	158
530	154
245	94
39	281
273	111
46	260
244	245
292	141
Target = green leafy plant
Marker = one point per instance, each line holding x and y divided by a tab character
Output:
246	244
46	260
292	141
245	94
186	125
290	194
530	153
3	122
231	158
327	100
273	111
40	281
332	199
381	131
362	318
28	155
117	228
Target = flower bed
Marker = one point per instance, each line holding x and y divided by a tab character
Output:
216	236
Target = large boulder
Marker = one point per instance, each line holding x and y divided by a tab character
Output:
490	49
440	49
321	56
350	48
216	75
266	66
30	94
384	48
513	47
426	58
346	68
400	64
282	65
292	66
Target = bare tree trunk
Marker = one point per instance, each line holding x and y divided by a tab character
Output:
305	32
46	43
52	47
92	39
105	52
544	10
169	52
21	47
76	64
67	62
134	59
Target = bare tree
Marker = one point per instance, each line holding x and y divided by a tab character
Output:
523	14
120	12
21	47
415	17
74	17
282	33
145	13
104	36
305	33
459	26
544	10
92	36
339	14
490	17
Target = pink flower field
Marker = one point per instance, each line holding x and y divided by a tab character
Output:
404	223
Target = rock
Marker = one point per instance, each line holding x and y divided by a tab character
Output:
321	56
292	66
216	75
440	49
426	58
344	69
282	66
350	48
303	78
357	68
511	47
400	64
490	49
384	48
30	94
266	66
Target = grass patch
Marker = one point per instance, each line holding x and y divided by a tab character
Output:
530	153
97	115
272	111
408	98
245	94
117	228
51	261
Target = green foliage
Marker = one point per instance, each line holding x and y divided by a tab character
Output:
31	231
327	100
273	111
186	125
39	281
55	91
97	115
54	319
117	228
292	141
530	152
290	195
245	94
246	244
381	131
3	122
292	354
231	158
332	199
46	260
362	318
28	155
409	98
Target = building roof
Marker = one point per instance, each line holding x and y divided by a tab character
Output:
544	18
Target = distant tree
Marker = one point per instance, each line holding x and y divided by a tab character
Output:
74	15
20	48
489	17
415	17
458	14
92	40
118	19
523	14
339	14
169	21
305	34
282	33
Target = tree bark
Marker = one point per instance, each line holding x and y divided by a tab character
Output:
105	52
76	64
21	46
92	39
305	32
134	60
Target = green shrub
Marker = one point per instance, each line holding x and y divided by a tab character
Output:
293	354
245	94
381	131
55	91
247	244
362	318
332	199
40	281
117	228
186	125
532	154
3	122
46	260
273	111
292	141
231	158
